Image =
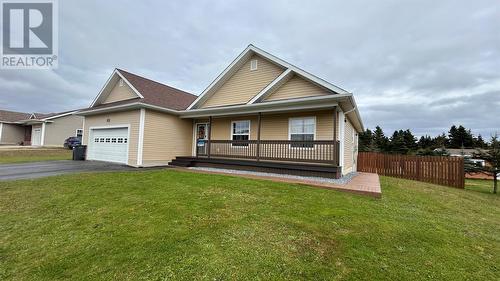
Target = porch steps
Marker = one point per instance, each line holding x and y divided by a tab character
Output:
182	162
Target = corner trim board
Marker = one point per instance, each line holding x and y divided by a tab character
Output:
140	142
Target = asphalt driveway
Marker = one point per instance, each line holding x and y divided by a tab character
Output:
51	168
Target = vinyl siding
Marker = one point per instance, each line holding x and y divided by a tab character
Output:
245	84
130	118
12	134
119	93
61	129
297	87
165	137
221	127
274	127
349	140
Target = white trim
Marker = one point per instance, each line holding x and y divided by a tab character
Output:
115	72
195	135
222	75
128	106
42	139
111	127
140	142
58	116
267	90
249	131
250	50
76	132
290	130
130	84
279	105
83	127
1	130
341	139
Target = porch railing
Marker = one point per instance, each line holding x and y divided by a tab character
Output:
320	151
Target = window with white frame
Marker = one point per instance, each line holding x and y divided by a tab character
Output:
240	131
79	133
302	129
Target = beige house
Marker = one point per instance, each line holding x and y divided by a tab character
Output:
37	129
260	113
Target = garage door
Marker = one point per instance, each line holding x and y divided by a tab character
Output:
108	145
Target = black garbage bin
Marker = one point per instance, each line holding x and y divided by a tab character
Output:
79	152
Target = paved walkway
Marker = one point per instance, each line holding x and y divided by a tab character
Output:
362	183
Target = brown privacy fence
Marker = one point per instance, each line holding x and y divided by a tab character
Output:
441	170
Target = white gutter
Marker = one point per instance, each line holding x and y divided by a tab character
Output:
280	105
127	106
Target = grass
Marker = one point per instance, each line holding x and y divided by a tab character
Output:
34	155
159	225
484	186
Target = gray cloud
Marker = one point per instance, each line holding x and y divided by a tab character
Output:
422	65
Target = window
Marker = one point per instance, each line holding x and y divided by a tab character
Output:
108	139
101	140
79	133
302	129
96	140
120	140
125	140
240	131
113	140
253	65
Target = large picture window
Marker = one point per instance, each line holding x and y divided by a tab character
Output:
240	131
302	129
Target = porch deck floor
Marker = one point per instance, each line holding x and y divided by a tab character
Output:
363	183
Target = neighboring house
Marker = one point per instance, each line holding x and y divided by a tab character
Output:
260	113
37	129
461	152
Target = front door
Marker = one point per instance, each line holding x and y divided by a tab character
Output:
36	137
201	139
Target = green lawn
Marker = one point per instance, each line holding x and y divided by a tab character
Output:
33	155
485	186
160	225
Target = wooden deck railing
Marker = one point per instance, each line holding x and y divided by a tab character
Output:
326	152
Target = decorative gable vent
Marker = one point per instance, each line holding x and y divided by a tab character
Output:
253	65
120	83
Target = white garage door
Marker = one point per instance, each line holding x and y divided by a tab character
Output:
109	145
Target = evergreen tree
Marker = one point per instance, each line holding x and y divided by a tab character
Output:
366	142
380	140
440	141
479	142
398	143
460	137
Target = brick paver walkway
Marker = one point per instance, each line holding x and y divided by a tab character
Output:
362	183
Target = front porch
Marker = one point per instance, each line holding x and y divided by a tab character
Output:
298	142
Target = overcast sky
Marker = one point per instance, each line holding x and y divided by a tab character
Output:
422	65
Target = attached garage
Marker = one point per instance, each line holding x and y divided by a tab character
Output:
109	144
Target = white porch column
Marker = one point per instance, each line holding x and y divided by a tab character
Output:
140	143
341	138
42	138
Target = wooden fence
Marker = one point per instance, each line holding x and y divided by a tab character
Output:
441	170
